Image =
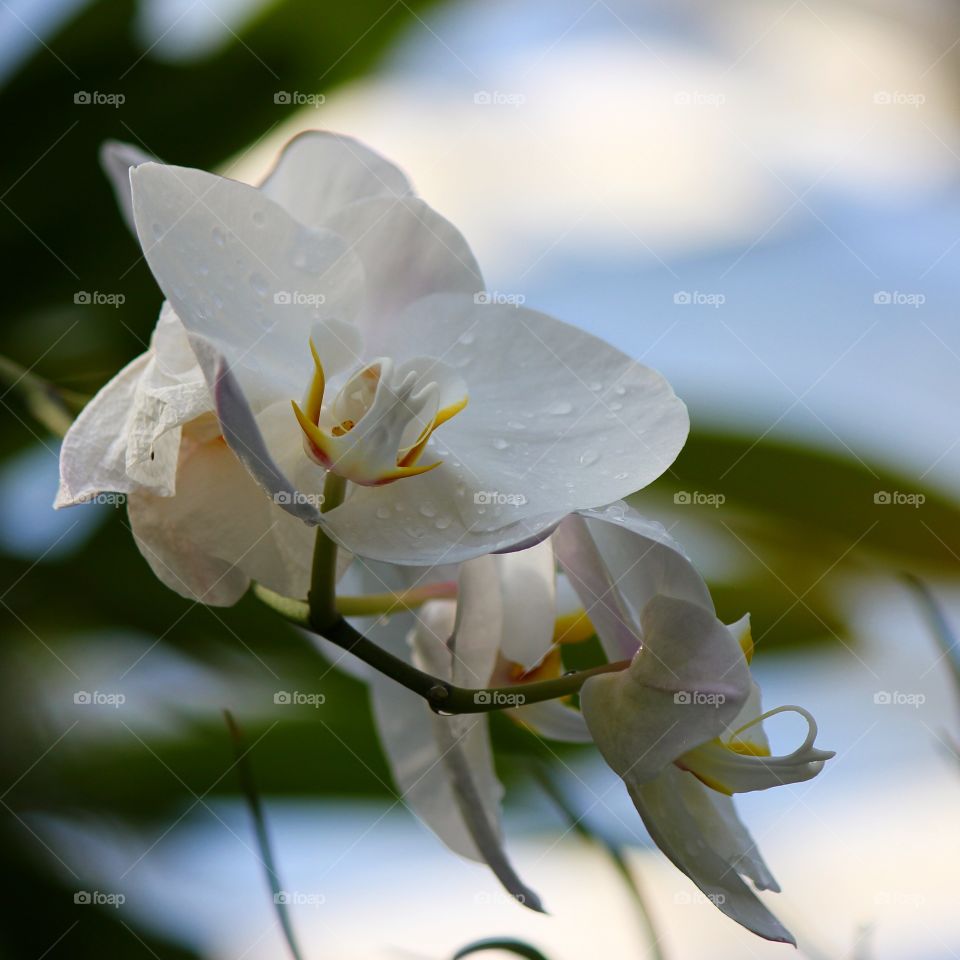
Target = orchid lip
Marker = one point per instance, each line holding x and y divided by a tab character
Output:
376	428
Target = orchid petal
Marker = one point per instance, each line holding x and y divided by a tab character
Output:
731	771
501	484
93	455
247	278
117	158
443	766
681	690
553	720
318	173
408	251
617	561
527	587
720	825
218	533
680	833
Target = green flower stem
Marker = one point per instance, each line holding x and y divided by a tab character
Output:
322	597
377	604
51	406
441	695
445	697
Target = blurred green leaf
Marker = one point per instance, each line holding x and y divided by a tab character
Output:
506	944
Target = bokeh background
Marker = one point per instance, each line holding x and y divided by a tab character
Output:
760	199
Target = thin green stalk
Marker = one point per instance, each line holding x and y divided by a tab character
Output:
322	597
51	406
579	826
441	695
252	795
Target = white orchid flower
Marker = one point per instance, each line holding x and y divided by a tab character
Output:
500	631
683	724
340	325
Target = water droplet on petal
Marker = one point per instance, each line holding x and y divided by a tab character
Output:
467	338
589	457
560	408
428	510
516	425
383	512
441	523
499	443
218	236
621	476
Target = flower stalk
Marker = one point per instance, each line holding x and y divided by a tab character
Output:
322	597
441	695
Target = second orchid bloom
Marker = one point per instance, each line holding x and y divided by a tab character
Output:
682	724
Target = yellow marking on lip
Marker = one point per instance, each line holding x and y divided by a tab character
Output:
573	628
401	472
317	386
449	411
711	783
443	415
315	436
746	749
